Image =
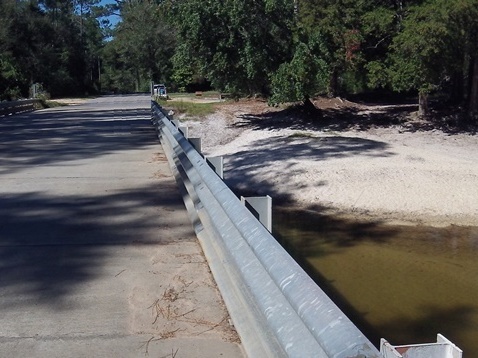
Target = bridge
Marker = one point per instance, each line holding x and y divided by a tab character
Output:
98	255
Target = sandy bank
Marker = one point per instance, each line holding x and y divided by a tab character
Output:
381	173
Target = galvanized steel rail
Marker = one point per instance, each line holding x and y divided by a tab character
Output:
277	309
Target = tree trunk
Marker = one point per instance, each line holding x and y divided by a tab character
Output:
333	84
457	89
423	104
473	98
137	81
310	111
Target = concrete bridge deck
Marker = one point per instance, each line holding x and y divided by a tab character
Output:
97	255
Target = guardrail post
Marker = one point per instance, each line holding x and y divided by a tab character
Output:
197	144
184	130
443	348
217	163
261	208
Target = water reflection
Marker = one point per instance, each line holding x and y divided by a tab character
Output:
403	283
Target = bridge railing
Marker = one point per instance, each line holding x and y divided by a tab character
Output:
13	107
277	309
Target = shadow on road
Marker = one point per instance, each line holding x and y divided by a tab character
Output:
54	136
54	236
48	245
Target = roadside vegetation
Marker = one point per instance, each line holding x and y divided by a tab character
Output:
184	108
281	50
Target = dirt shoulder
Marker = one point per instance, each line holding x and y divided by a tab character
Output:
365	162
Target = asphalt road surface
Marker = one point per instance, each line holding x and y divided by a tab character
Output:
97	255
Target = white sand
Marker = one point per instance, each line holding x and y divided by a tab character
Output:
382	173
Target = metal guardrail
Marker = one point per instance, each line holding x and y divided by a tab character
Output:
13	107
277	309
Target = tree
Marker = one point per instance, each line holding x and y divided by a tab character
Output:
418	56
340	24
380	25
436	50
50	42
72	61
463	40
328	49
141	49
10	76
236	44
305	75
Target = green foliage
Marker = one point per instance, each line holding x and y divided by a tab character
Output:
287	50
10	79
340	24
301	135
463	39
236	44
305	75
183	67
141	49
49	42
418	52
377	74
435	48
343	46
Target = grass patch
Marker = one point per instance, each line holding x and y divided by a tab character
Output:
190	110
301	135
204	94
53	104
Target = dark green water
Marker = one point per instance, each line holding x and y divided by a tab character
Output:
402	283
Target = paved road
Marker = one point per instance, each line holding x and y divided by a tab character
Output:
97	256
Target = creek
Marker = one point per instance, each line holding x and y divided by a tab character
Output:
402	283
